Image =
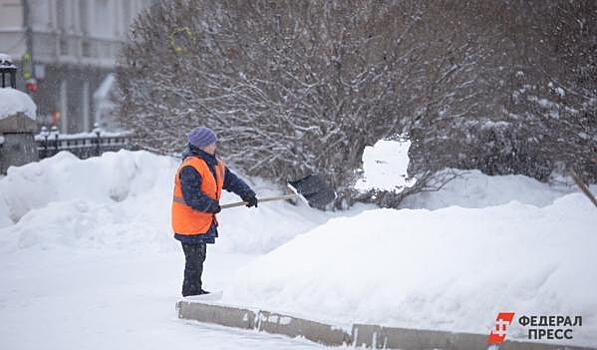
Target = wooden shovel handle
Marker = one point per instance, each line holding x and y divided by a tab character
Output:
260	200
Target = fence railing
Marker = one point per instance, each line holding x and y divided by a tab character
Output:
83	145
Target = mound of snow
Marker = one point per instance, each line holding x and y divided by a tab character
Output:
451	269
111	178
123	198
14	101
473	189
385	168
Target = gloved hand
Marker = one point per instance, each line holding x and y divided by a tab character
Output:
250	199
214	207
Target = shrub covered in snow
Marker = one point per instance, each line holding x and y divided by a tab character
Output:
311	89
536	111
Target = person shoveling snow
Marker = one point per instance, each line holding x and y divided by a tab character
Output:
197	190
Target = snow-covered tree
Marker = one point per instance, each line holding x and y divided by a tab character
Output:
296	87
291	87
537	92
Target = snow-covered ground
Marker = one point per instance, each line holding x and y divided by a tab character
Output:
87	259
111	299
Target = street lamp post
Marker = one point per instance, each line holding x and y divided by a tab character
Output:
8	72
54	131
45	133
97	131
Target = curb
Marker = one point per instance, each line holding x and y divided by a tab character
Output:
265	321
216	314
362	335
379	337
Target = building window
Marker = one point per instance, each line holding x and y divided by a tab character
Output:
126	15
61	23
83	16
61	15
103	24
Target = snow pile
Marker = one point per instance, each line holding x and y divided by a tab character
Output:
385	166
123	198
452	269
116	199
14	101
473	189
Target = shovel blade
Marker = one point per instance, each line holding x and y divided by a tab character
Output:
314	190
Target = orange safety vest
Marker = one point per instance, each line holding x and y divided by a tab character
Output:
186	220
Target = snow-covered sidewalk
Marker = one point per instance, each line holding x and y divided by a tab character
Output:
67	299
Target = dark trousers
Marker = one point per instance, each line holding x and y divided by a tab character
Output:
194	255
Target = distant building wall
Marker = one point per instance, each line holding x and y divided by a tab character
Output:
74	46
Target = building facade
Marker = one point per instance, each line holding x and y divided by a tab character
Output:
67	50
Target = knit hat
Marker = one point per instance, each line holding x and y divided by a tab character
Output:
201	137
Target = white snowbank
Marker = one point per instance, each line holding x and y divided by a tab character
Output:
473	189
125	197
14	101
451	269
385	166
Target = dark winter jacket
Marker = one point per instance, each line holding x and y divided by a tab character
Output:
190	183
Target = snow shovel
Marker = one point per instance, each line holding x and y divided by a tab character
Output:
312	190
